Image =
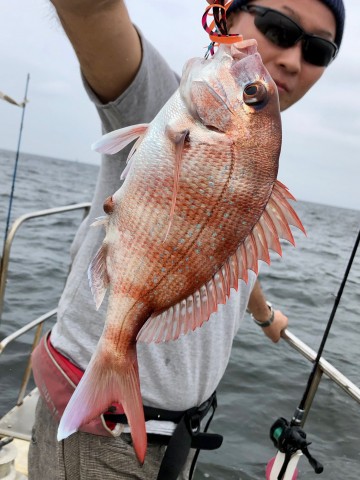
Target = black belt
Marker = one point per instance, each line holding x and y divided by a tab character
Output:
186	435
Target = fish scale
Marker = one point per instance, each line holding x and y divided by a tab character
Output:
179	225
199	206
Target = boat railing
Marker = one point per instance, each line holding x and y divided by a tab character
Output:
36	324
5	259
18	421
324	367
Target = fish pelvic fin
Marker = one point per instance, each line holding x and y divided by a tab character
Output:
115	141
98	276
191	312
107	381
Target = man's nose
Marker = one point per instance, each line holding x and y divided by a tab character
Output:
291	58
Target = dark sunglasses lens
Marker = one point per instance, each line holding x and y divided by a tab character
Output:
278	28
285	33
318	51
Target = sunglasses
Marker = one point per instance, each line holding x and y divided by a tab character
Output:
284	32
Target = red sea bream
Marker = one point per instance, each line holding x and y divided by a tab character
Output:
200	205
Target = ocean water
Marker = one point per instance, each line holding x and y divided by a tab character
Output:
263	381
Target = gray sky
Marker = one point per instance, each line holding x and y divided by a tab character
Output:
321	134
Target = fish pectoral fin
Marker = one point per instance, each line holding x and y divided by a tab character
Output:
115	141
203	97
98	276
179	139
106	382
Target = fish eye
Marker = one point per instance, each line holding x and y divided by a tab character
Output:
255	94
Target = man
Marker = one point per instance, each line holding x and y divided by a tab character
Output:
129	82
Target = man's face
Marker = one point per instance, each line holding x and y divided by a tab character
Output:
293	76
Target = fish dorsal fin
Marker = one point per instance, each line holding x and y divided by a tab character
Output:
281	194
98	276
191	312
115	141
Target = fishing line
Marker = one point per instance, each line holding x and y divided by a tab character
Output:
327	330
289	438
16	160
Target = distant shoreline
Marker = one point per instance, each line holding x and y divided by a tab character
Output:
23	154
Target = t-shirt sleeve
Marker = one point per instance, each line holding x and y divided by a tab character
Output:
152	86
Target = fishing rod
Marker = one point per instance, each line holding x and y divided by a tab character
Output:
16	158
290	438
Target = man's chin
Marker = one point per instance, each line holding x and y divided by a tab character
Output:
285	101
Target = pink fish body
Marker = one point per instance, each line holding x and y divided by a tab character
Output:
200	205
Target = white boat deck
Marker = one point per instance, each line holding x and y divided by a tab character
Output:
19	420
17	424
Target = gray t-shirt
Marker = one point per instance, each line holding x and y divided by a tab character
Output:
179	374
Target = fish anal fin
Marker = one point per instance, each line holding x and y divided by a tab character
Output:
242	262
234	272
251	253
106	382
115	141
98	276
261	243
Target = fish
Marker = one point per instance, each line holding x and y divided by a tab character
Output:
199	206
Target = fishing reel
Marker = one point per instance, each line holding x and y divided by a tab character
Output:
289	439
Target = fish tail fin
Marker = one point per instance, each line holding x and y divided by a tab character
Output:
105	381
134	411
